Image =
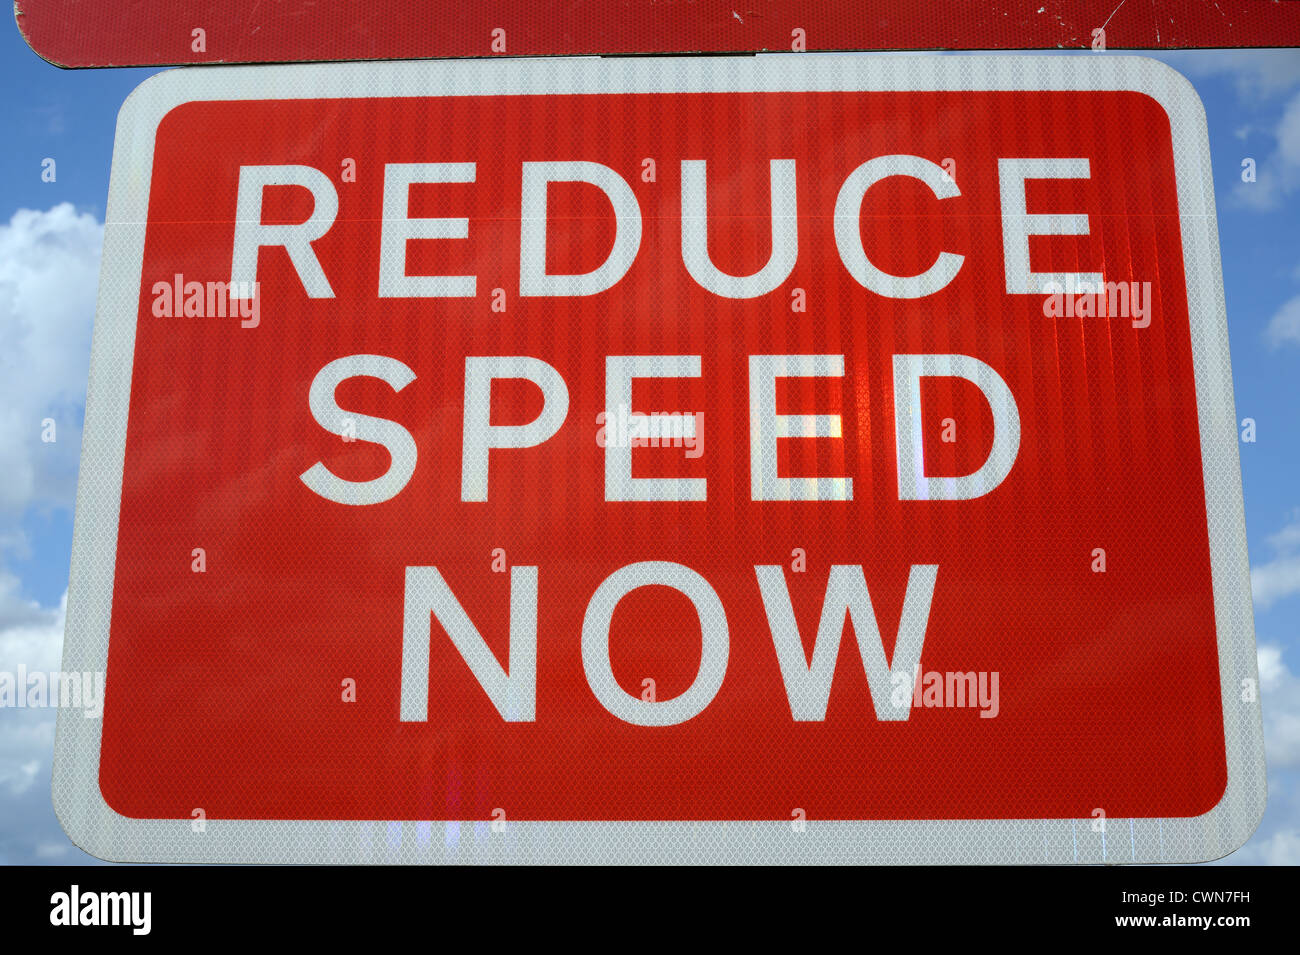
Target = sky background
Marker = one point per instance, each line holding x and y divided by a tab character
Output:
50	236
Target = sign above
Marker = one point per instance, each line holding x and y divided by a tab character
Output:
581	460
89	33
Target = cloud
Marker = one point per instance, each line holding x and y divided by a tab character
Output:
1278	840
29	832
1255	74
1280	695
30	636
1260	78
49	267
1279	848
1278	578
1284	327
1278	173
25	628
1275	580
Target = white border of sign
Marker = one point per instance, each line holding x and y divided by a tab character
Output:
101	831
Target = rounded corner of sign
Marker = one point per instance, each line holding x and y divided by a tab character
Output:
1231	845
1243	811
1249	830
92	840
110	804
1168	87
20	12
151	100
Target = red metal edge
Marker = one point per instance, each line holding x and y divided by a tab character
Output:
101	33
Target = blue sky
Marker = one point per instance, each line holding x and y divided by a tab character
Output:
49	248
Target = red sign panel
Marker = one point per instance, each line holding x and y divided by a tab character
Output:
573	447
77	33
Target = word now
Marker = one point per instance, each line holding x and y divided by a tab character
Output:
807	685
766	427
398	228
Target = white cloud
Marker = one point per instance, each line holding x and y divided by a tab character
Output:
1278	173
1260	78
29	832
49	268
1280	696
1278	578
25	629
1256	74
1278	840
32	636
1278	848
1288	538
1284	327
1275	580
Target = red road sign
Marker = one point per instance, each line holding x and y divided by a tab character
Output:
775	459
78	33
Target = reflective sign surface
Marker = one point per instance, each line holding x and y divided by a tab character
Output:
567	461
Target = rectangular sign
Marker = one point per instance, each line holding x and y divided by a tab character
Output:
801	459
96	33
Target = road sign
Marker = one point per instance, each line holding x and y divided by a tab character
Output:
566	460
89	33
